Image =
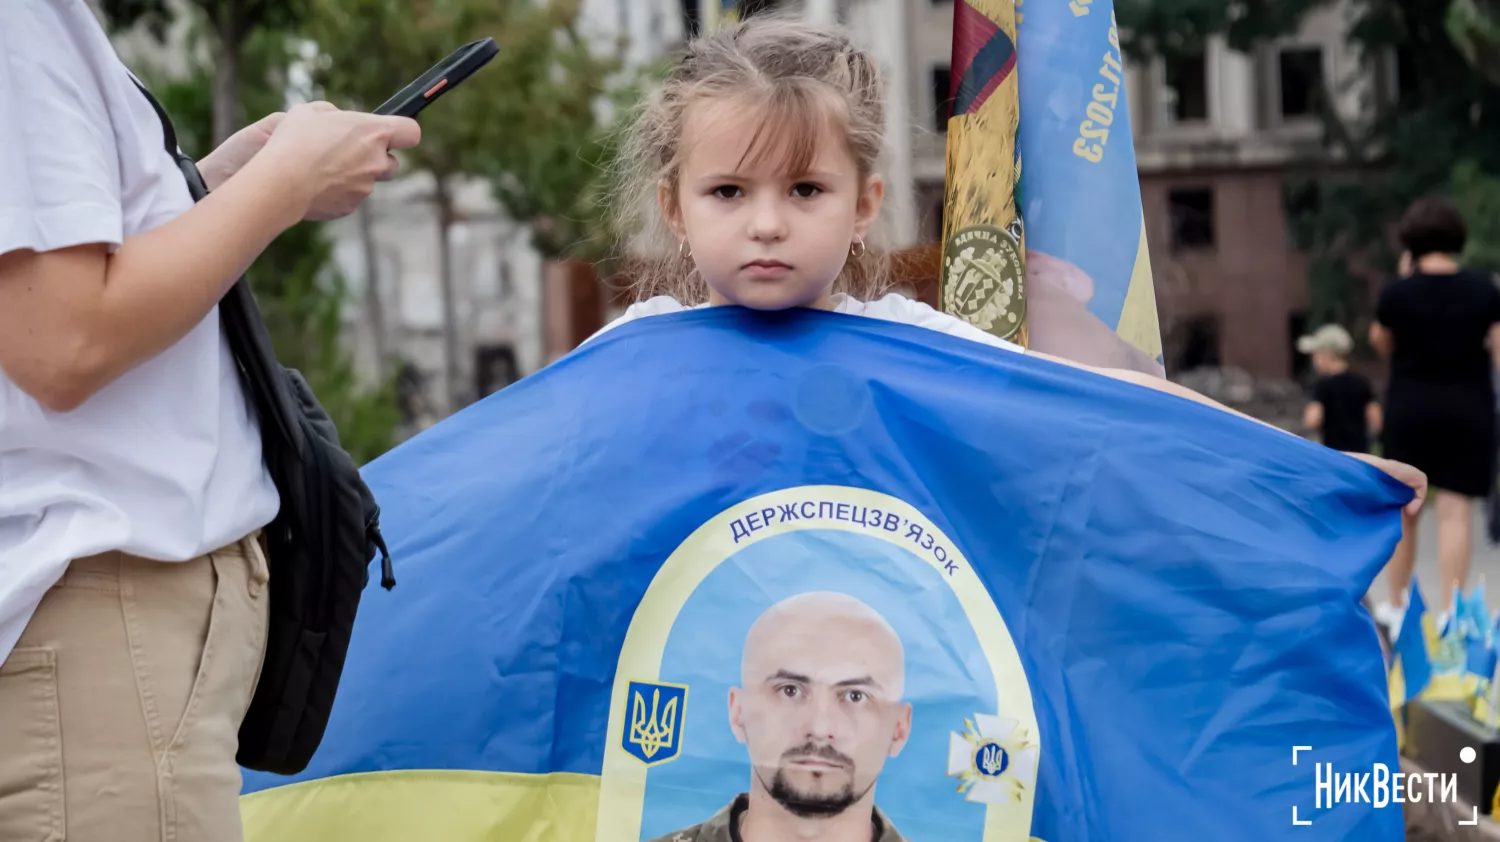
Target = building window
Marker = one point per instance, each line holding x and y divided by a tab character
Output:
1192	215
1187	89
494	368
1200	346
942	98
1301	81
507	284
1303	201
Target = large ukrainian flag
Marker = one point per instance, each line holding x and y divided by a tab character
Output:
1118	610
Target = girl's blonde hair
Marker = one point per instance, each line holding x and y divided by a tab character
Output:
799	78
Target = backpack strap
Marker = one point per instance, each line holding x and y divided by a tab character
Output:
244	327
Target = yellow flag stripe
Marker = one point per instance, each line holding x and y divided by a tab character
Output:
451	805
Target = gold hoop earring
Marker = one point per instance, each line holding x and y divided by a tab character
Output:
857	250
683	251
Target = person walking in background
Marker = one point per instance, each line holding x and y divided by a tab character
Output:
1440	327
1492	500
1343	409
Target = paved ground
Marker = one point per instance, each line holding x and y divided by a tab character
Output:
1486	560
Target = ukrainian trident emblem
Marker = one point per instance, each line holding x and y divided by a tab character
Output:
991	760
653	721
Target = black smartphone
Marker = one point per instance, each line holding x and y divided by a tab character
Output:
442	78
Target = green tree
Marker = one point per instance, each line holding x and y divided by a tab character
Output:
299	292
1445	112
232	23
528	121
1474	26
1478	197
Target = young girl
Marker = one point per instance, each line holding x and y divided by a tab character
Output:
752	178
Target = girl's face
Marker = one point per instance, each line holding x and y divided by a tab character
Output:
763	237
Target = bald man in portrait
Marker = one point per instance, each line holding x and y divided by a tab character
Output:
819	709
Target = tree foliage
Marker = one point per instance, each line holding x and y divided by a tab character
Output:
1182	27
530	120
1474	26
232	24
1478	197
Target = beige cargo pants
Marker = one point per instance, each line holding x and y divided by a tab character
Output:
120	707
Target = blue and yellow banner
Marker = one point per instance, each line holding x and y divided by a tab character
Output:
1088	270
725	572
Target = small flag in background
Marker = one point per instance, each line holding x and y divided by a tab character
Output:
1476	612
1411	668
1452	659
1480	655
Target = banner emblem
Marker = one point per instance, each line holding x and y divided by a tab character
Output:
653	732
983	280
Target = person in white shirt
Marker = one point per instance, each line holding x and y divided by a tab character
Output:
132	489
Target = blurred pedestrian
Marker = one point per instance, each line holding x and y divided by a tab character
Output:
132	488
1343	409
1492	500
1440	327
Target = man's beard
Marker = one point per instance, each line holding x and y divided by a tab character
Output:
810	805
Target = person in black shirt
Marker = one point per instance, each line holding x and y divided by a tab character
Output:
1343	406
1440	327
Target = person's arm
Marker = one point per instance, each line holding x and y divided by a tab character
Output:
1388	311
1380	339
1312	416
75	319
1374	417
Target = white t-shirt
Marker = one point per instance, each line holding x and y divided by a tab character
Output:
893	308
165	462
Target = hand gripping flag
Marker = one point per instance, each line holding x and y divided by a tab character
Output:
963	593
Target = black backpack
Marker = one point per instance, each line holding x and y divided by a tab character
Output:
319	546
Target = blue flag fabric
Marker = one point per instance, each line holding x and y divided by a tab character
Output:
1117	611
1410	648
